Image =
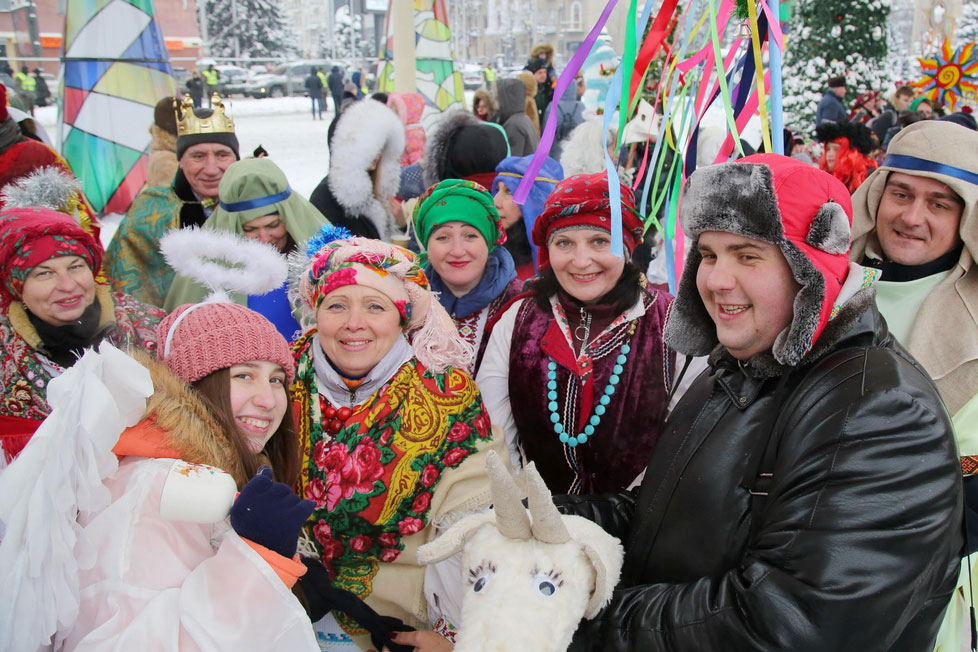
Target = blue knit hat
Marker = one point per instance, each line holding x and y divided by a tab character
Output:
510	171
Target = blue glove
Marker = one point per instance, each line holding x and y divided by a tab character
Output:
270	514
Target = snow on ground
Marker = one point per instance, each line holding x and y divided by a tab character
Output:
283	126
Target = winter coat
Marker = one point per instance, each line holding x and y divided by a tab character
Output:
195	85
838	531
830	108
409	107
133	260
347	195
26	369
533	111
314	85
523	138
881	124
335	82
161	584
163	164
570	113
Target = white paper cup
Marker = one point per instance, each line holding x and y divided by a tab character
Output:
401	240
197	493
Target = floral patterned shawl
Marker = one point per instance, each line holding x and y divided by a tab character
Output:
410	458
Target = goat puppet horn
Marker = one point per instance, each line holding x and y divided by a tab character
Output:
548	525
511	518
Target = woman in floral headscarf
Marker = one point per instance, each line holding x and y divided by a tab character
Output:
575	375
52	308
459	230
393	430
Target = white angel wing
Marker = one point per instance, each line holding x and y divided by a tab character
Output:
57	475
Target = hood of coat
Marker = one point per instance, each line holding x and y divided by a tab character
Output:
486	99
512	98
462	146
365	130
177	410
162	140
530	82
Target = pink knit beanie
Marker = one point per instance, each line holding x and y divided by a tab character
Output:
198	339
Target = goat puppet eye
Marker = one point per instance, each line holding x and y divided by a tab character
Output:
546	587
480	584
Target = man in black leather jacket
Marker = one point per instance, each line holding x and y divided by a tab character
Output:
805	493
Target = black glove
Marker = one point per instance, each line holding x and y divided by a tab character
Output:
322	596
270	514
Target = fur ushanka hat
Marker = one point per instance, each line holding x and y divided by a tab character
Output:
807	213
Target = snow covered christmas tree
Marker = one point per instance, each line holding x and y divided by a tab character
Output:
249	28
967	26
830	38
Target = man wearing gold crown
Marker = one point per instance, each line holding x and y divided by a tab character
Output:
206	146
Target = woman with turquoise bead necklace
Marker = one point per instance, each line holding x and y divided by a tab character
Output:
575	371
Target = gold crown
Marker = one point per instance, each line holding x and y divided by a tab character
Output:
188	123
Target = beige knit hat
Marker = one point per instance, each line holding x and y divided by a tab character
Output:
200	338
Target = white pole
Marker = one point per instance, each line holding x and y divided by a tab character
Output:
405	65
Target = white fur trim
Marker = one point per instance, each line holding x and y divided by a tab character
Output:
365	129
224	262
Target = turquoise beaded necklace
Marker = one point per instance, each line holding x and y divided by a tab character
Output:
599	409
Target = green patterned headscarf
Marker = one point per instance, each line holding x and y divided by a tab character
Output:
455	200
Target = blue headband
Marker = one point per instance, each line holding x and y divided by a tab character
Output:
248	204
923	165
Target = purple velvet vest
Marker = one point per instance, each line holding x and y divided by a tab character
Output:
629	429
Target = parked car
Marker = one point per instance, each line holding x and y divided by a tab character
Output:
234	80
472	77
286	79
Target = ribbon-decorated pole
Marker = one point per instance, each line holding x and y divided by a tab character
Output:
550	128
774	65
627	72
759	71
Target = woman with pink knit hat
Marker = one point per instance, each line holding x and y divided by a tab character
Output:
392	431
575	374
181	564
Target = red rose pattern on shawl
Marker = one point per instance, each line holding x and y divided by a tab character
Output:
374	481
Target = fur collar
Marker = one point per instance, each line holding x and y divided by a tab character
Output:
439	143
162	140
22	324
186	424
365	129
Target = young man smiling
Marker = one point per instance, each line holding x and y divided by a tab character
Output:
804	493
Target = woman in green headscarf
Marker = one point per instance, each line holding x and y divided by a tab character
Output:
255	200
458	227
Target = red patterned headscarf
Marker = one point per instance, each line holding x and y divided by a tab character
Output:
582	201
32	235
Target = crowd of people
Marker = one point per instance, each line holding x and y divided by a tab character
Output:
785	448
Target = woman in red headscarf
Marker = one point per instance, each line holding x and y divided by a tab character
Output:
52	308
575	371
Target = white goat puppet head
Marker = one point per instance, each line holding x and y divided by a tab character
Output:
530	575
